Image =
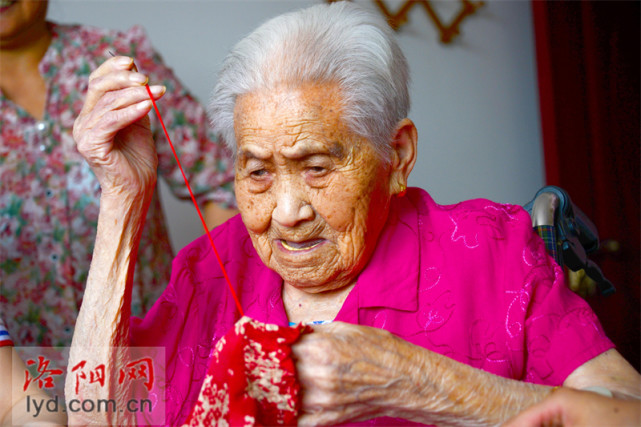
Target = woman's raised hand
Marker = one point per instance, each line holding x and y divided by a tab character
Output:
112	131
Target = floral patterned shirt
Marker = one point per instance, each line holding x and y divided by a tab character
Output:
49	197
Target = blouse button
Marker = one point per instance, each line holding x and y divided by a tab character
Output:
42	127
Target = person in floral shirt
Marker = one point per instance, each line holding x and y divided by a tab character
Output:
16	393
49	197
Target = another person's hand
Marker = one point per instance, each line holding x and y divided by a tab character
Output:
569	407
581	283
348	372
112	131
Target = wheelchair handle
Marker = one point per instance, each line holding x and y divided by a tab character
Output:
576	234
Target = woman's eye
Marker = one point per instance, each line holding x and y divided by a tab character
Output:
317	169
258	173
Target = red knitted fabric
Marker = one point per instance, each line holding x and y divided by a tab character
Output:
251	379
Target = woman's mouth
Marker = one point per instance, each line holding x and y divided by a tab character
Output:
300	246
4	4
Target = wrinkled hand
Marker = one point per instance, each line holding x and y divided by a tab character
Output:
112	131
569	407
349	372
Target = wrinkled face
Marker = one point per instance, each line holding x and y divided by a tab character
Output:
313	195
20	18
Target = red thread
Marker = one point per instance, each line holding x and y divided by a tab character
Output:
193	199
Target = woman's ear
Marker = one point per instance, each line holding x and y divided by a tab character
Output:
403	155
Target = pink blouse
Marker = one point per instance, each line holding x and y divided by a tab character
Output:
470	281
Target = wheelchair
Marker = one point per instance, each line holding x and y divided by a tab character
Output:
568	234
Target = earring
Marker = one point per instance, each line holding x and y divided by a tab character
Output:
403	191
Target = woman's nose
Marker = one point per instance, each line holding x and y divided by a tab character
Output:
292	207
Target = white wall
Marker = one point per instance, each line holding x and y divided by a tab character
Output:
474	102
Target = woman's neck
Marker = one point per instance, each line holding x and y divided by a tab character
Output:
20	79
302	306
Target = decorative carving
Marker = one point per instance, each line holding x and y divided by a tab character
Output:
447	31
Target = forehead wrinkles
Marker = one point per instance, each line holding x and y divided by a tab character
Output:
307	116
302	136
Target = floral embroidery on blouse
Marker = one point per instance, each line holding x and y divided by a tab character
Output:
49	197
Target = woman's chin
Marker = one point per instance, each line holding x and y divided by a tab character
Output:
302	278
313	280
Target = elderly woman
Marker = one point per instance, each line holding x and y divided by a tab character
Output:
437	314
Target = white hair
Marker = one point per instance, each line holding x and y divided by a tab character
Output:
337	43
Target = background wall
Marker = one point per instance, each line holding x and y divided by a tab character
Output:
474	102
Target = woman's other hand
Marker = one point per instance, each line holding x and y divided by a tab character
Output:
569	407
354	373
349	372
112	131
